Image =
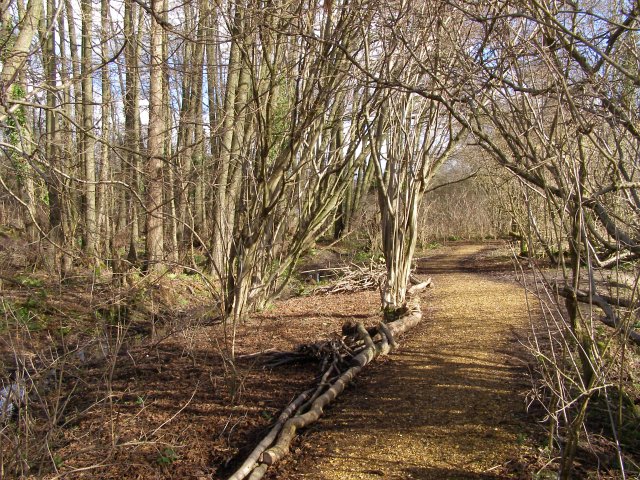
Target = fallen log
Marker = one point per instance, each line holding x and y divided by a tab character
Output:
405	323
281	448
261	458
253	457
382	330
388	335
259	472
351	328
419	287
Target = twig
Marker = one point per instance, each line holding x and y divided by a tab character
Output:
177	413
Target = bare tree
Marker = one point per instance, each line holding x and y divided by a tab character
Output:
411	133
294	173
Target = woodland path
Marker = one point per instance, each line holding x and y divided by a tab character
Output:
450	403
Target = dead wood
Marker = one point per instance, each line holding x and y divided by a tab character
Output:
253	457
311	352
419	287
388	335
414	279
356	278
281	448
259	472
610	319
308	407
256	354
351	328
353	278
406	323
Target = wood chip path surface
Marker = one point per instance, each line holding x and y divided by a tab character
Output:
450	403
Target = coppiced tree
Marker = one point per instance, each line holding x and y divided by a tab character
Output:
411	133
289	170
413	138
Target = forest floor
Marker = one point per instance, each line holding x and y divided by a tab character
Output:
116	398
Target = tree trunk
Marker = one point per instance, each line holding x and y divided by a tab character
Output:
88	141
104	191
14	59
222	226
155	143
132	126
52	151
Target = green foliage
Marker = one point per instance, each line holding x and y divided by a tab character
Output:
167	457
28	318
7	38
627	266
200	259
299	288
280	123
545	475
269	306
392	314
32	303
18	92
14	128
27	314
64	330
113	315
362	256
58	460
30	282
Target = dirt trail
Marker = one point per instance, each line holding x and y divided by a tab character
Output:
450	403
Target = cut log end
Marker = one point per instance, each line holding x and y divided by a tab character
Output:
274	454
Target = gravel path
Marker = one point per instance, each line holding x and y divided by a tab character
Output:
450	403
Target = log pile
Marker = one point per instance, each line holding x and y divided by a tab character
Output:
352	278
342	361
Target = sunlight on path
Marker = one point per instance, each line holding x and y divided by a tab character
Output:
449	403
